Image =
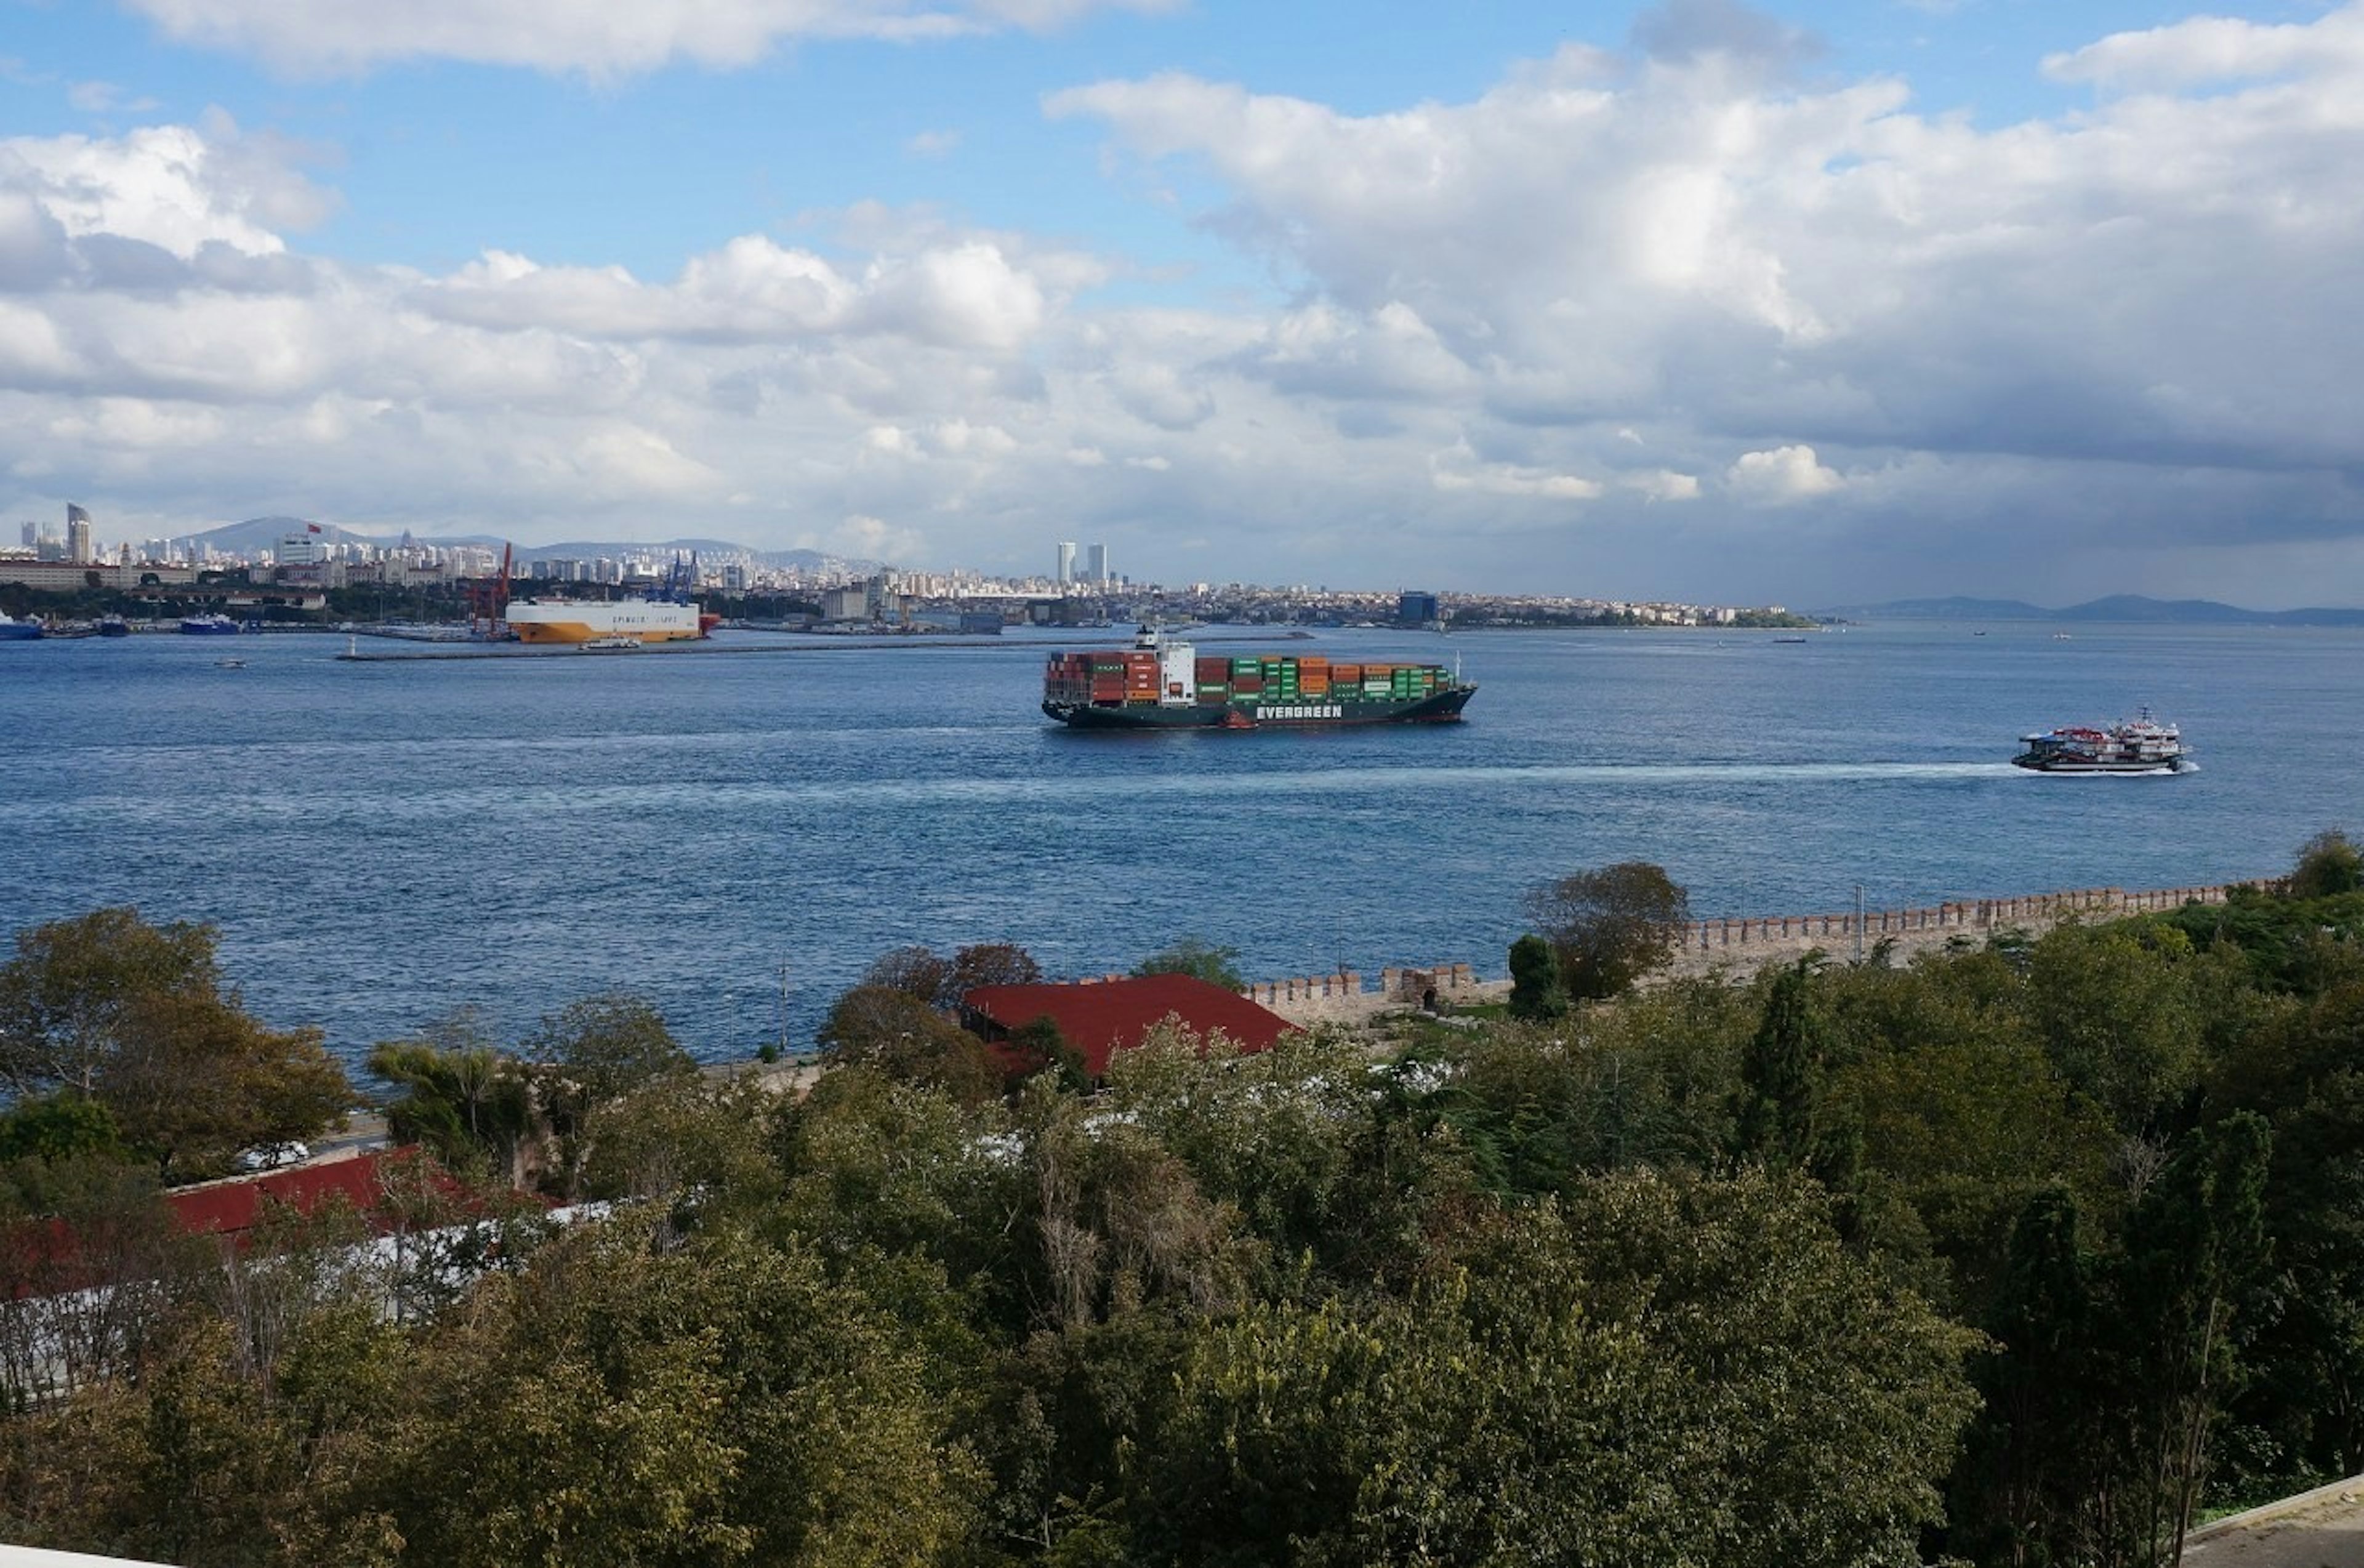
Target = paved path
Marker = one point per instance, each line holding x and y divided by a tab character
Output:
2322	1529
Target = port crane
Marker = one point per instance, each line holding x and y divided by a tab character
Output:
489	602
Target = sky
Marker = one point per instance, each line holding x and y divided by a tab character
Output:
1811	302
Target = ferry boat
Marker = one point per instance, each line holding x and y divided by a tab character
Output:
14	630
209	626
1159	684
2138	745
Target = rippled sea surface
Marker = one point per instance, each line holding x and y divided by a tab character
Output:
379	841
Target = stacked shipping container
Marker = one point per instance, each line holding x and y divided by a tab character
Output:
1133	676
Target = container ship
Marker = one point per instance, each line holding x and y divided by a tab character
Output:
1159	684
585	620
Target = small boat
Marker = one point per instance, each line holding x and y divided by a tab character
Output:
614	645
229	664
2138	745
114	626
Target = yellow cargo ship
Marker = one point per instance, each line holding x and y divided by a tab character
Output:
585	620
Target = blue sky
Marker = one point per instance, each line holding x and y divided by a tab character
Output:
1807	303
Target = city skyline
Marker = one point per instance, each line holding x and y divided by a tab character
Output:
1814	302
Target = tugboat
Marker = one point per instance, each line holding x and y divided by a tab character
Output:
2138	745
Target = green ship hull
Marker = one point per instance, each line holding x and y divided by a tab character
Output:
1444	707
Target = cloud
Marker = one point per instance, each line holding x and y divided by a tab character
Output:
175	187
1685	31
1456	471
1780	476
1535	322
345	37
105	97
1662	484
2213	50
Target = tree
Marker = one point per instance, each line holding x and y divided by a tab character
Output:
723	1402
942	981
2328	864
65	995
1536	990
916	971
194	1079
604	1047
988	963
2196	1247
1039	1046
895	1033
462	1096
1611	927
107	1007
1200	960
1526	1400
58	1127
1781	1119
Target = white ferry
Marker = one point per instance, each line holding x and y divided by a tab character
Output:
2138	745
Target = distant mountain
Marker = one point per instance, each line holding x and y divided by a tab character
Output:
257	534
2118	607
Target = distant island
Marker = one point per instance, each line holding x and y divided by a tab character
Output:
2121	608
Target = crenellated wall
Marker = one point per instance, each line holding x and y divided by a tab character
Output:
1745	942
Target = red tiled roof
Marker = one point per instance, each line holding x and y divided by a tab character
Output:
1101	1017
229	1207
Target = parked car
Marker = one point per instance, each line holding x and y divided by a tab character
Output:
270	1156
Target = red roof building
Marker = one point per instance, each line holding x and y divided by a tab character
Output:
1100	1017
232	1205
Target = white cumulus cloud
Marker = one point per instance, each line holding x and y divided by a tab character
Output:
1781	475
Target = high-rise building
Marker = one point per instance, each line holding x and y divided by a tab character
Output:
1067	560
32	535
77	534
1096	564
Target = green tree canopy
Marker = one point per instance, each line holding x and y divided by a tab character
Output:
131	1015
604	1047
64	997
895	1033
1198	959
1536	989
1611	927
2328	864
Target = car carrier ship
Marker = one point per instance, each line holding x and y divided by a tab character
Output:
1161	684
591	620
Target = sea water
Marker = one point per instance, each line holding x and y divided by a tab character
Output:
737	835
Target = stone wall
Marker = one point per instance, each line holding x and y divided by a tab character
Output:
1760	939
1743	943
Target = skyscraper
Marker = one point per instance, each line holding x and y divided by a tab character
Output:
1067	560
1096	564
77	534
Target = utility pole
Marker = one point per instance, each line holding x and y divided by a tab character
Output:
1858	922
784	1008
